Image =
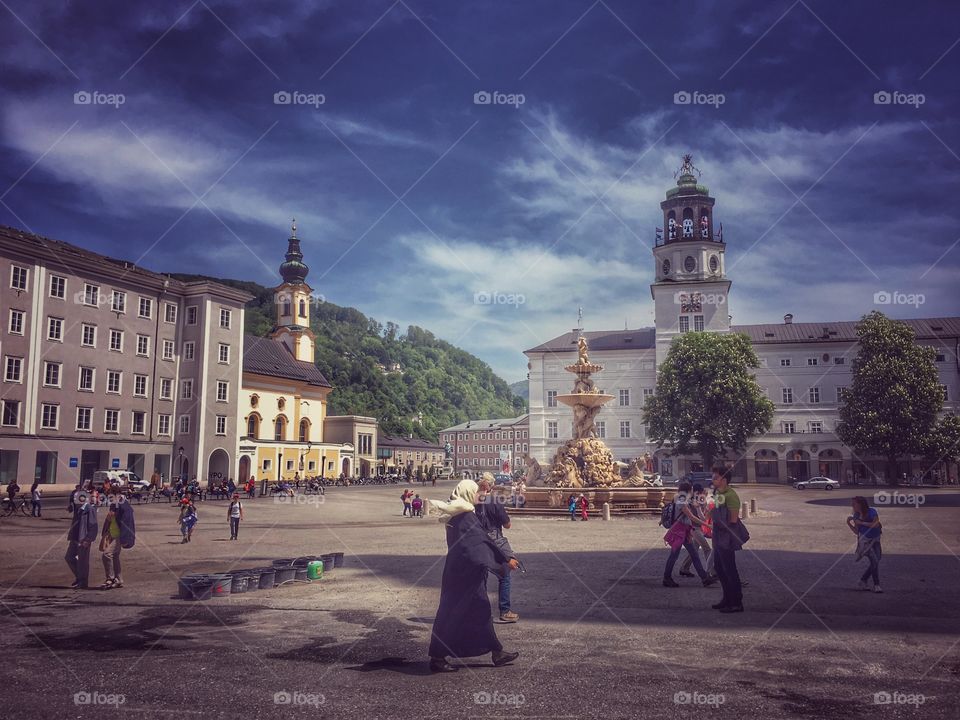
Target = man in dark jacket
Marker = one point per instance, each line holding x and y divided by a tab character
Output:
83	532
494	520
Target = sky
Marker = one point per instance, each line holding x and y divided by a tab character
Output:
483	169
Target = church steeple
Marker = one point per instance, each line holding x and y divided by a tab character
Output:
293	299
293	270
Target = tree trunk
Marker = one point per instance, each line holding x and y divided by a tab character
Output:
892	477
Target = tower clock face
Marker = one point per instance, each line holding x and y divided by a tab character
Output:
691	303
714	263
666	267
689	264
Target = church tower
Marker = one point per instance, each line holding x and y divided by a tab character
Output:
690	289
293	297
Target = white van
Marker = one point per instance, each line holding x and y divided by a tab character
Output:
125	478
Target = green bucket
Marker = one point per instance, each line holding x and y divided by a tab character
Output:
314	569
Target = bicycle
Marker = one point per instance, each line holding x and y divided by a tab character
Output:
11	505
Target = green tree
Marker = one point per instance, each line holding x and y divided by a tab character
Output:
892	405
707	401
944	444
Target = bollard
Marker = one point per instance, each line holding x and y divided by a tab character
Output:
263	488
744	513
606	511
753	506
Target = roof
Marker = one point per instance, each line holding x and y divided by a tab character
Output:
398	441
844	331
640	339
494	424
74	259
263	356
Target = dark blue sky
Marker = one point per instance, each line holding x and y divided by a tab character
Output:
411	198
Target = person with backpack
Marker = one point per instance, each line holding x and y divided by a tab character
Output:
110	546
729	536
865	524
188	518
82	533
235	515
701	508
681	528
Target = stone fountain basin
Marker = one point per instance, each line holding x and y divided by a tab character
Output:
584	368
648	498
584	399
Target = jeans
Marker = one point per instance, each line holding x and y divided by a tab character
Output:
78	558
694	558
234	527
873	556
35	508
504	592
699	539
726	564
111	559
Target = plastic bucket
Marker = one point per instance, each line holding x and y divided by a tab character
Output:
239	583
315	570
338	559
285	562
268	578
195	588
253	579
305	560
285	575
328	562
221	584
301	573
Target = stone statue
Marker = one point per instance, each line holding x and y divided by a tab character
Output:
448	450
583	358
704	227
534	473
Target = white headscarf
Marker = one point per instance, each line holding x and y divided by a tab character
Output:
462	500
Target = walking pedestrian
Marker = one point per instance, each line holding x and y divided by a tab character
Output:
235	515
584	506
188	518
405	499
865	524
494	520
728	538
110	546
572	506
464	625
83	531
686	521
701	533
36	495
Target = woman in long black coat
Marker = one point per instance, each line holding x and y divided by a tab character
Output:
464	622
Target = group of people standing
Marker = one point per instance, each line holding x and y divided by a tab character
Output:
412	503
117	532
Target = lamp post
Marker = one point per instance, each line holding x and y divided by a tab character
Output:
180	456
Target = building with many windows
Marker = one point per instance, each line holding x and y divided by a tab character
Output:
108	365
805	367
407	455
488	445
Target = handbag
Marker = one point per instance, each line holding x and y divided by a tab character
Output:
676	536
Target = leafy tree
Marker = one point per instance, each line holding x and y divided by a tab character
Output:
892	404
707	401
943	444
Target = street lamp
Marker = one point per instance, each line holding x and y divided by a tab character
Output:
180	455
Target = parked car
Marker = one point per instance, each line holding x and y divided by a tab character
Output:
124	478
502	479
817	483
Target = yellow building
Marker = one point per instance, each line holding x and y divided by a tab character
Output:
283	401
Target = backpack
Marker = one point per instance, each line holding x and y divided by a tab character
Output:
668	514
128	531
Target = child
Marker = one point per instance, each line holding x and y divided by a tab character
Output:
417	506
572	506
188	518
584	505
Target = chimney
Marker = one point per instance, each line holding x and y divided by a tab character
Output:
788	319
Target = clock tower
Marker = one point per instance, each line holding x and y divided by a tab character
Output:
690	289
293	300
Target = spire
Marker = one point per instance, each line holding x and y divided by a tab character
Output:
293	270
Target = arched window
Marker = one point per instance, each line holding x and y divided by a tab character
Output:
280	428
253	426
304	430
285	308
303	308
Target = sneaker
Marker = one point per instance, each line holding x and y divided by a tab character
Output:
719	606
670	582
509	617
877	589
685	573
74	585
862	585
708	581
117	583
732	609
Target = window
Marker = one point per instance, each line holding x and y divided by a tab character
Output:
58	287
941	357
13	371
91	294
49	416
184	424
186	390
698	323
16	322
624	428
840	361
169	312
222	390
280	429
87	375
945	393
139	424
476	448
188	350
166	388
365	440
114	381
51	374
784	362
787	394
789	427
225	318
146	308
111	421
624	397
221	425
223	353
841	394
813	362
84	419
118	302
816	426
289	464
163	424
814	395
55	329
140	385
192	315
143	345
684	324
253	426
18	277
647	394
551	398
601	426
167	350
88	335
11	413
552	433
116	340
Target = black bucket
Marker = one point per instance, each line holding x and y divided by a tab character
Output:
285	562
268	578
305	560
195	587
253	579
329	562
285	575
338	559
301	573
239	583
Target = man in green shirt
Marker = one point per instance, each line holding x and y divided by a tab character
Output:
726	541
110	544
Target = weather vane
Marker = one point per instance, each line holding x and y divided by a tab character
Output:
687	168
293	227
